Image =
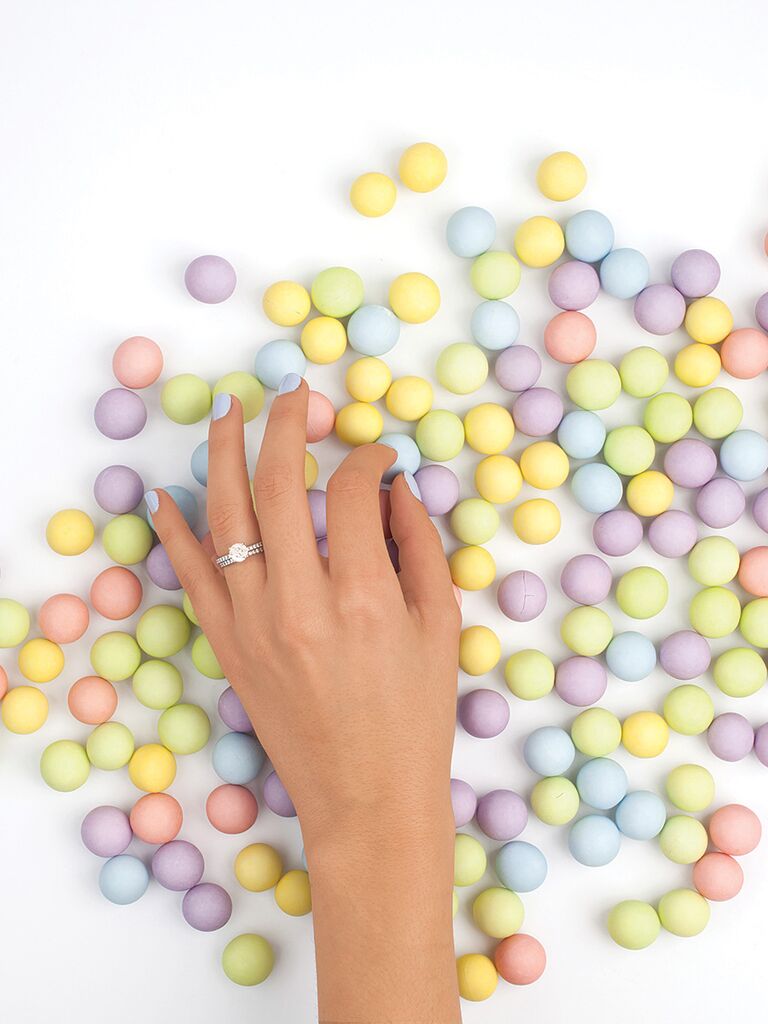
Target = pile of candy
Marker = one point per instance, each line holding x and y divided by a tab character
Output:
627	478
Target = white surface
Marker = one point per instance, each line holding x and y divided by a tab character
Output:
137	136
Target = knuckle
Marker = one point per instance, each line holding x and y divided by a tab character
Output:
224	517
272	483
192	576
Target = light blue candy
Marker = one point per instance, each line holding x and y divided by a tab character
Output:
470	231
123	879
373	330
199	463
521	866
589	236
744	455
581	434
408	455
631	656
276	359
549	751
238	758
601	783
495	325
185	501
597	487
594	840
624	273
641	815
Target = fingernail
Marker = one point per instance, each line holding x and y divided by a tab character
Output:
152	500
290	382
222	403
412	485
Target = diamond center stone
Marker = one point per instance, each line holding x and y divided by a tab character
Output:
238	552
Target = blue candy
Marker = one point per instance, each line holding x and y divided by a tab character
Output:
470	231
495	325
596	487
199	463
238	758
624	273
589	236
373	330
601	783
581	434
549	751
594	840
186	503
123	879
521	866
408	455
631	656
641	815
276	359
744	455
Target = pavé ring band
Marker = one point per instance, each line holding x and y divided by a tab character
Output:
239	553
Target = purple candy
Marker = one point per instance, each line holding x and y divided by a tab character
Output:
210	279
439	487
502	814
760	509
160	570
120	414
695	273
317	505
617	532
106	831
517	368
660	309
322	546
586	579
207	907
673	533
690	462
276	797
685	654
537	412
573	285
178	865
232	713
761	311
118	489
761	744
730	737
720	503
522	596
483	713
580	681
394	553
463	801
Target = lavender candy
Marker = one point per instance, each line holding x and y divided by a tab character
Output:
586	579
502	814
695	273
760	509
522	596
210	279
106	831
690	462
276	797
660	309
207	907
573	285
483	713
160	570
120	414
118	489
761	311
761	744
617	532
537	412
720	503
730	737
673	533
580	681
439	488
317	510
685	654
463	801
517	368
178	865
232	713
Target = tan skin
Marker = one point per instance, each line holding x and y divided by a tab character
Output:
348	673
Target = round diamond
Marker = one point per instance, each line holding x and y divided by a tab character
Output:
238	552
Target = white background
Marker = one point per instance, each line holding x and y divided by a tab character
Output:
137	136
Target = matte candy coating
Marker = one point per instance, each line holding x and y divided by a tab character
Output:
690	787
470	231
489	429
472	567
539	242
106	831
463	802
495	325
597	488
439	488
642	592
477	977
152	768
286	303
210	279
544	465
631	656
123	879
231	809
423	167
717	412
570	336
596	732
688	709
63	618
206	907
645	734
730	737
744	455
753	571
498	912
643	372
184	728
276	360
238	757
695	272
537	412
414	298
373	194
684	912
360	423
690	462
64	765
536	521
740	672
561	176
549	751
408	455
697	365
474	521
501	814
659	309
522	596
650	493
520	959
110	746
617	532
186	398
683	839
708	320
258	867
321	416
118	489
127	539
137	362
573	285
594	840
624	273
633	924
337	292
497	478
70	532
41	660
120	414
589	236
116	593
717	876
667	417
462	368
156	818
593	384
248	959
160	570
163	631
479	650
373	330
602	783
323	339
673	533
178	865
409	398
483	713
495	274
246	388
24	710
14	622
92	700
640	815
517	368
555	801
586	630
744	353
586	579
521	866
720	503
735	829
529	674
629	450
580	681
469	860
232	713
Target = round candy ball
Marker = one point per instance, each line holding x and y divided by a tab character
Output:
589	236
178	865
373	194
522	596
494	325
617	532
633	924
708	320
683	839
152	768
570	337
40	660
581	434
695	272
323	339
495	274
685	654
69	532
561	176
469	860
24	710
690	462
373	330
477	977
231	809
659	309
286	303
407	451
489	429
501	814
462	368
63	618
720	503
753	571
64	765
276	796
593	384
474	521
14	622
163	631
258	867
730	737
137	362
714	612
110	746
549	751
463	802
232	713
116	593
479	650
337	292
642	592
744	353
248	959
276	360
697	365
498	912
539	242
517	368
555	800
624	273
683	912
439	489
470	231
186	398
246	388
717	412
184	729
596	732
529	674
414	298
594	840
123	879
210	279
409	398
690	787
744	455
645	734
292	893
596	487
602	783
521	866
120	414
536	521
106	831
321	416
127	539
440	435
586	630
717	876
740	672
423	167
497	478
580	681
667	417
586	579
650	493
735	829
156	818
761	311
688	709
573	285
537	412
753	623
115	656
631	656
118	489
483	713
544	465
640	815
643	372
520	959
713	561
472	567
206	907
359	423
629	450
92	700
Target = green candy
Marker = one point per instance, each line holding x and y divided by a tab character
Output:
469	860
337	291
684	912
739	672
596	732
495	275
14	622
629	450
555	800
633	924
186	398
189	611
691	787
184	728
714	612
245	387
115	656
714	561
64	765
204	660
586	630
529	674
474	521
158	685
643	372
462	368
688	709
753	623
667	417
683	839
248	959
593	384
110	746
717	412
642	592
440	435
127	539
163	631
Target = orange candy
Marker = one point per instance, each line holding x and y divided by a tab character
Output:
718	876
63	618
3	682
320	417
520	959
137	362
753	571
92	700
570	337
116	593
156	818
231	809
735	829
744	353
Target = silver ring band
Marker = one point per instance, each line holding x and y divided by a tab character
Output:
239	553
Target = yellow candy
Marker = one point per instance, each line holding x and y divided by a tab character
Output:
645	734
152	768
489	428
561	176
498	479
477	977
555	800
697	365
24	710
40	660
650	493
539	242
359	423
536	521
423	167
469	860
367	379
472	568
479	650
409	398
596	732
544	465
311	470
70	532
414	298
373	194
258	867
708	320
498	912
286	303
292	893
323	339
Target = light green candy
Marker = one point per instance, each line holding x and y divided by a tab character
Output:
462	368
754	622
184	728
337	291
469	860
684	912
593	384
667	417
204	660
688	709
474	521
714	612
643	372
714	561
440	435
14	622
115	656
642	592
495	275
189	611
248	959
163	631
186	398
247	388
739	672
596	732
633	924
683	839
691	787
110	746
629	450
555	800
127	539
64	765
498	912
586	630
529	674
158	685
717	412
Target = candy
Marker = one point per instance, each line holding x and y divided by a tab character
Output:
118	489
474	521
586	579
120	414
69	532
137	362
561	176
633	924
14	622
321	416
463	802
645	734
740	672
472	567
573	285
690	463
414	298
580	681
735	829
593	384
408	455
160	570
186	398
629	450
184	729
594	840
570	337
470	231
753	623
373	194
501	814
715	612
210	279
718	876
276	360
730	737
497	478
631	656
659	309
123	879
498	912
717	412
667	417
373	330
683	912
539	242
40	660
156	818
529	674
110	746
477	977
462	368
116	593
64	765
163	631
597	488
479	650
536	521
683	839
549	751
602	783
544	465
589	236
286	303
152	768
24	710
469	860
537	412
759	508
761	311
494	325
258	867
206	907
439	435
642	592
423	167
643	372
409	398
517	368
753	571
92	700
439	489
688	709
624	273
695	273
684	654
106	831
520	959
231	809
596	732
483	713
495	274
520	866
708	320
178	865
522	596
248	959
720	503
63	618
650	493
555	800
713	561
744	353
323	339
617	532
359	423
640	815
744	455
232	713
337	292
127	539
690	787
586	630
489	429
238	757
697	365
